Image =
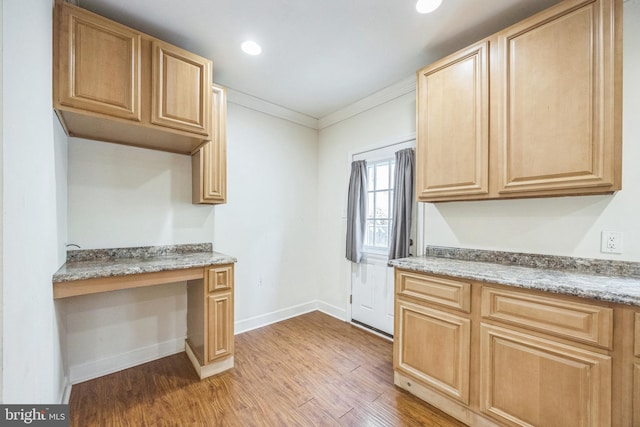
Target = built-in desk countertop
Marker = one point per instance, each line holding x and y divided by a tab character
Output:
103	270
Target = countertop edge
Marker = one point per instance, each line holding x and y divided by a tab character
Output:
99	272
609	295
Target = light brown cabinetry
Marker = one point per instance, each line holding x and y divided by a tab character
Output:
112	83
430	344
514	357
209	162
531	381
99	64
453	124
554	110
210	319
434	346
181	84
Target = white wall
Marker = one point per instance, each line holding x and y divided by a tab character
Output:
34	200
269	222
561	226
122	196
378	126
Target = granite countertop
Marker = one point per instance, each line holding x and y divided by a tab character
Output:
98	263
610	281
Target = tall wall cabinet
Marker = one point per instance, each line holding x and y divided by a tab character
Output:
116	84
534	110
209	162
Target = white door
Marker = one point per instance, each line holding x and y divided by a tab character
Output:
371	279
372	293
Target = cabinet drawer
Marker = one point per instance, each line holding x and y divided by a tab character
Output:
220	278
445	292
636	347
576	321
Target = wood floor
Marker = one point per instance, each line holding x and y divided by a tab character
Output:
312	370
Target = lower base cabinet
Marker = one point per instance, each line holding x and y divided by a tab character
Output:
210	328
531	381
434	346
515	357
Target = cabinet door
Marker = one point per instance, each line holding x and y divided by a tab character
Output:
434	347
219	325
209	163
181	95
453	126
98	64
558	82
526	380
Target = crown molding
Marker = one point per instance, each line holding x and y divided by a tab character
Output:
387	94
257	104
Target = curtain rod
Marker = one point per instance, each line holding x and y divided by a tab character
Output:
383	146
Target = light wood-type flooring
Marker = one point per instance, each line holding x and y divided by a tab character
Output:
312	370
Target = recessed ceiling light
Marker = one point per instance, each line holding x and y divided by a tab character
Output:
427	6
251	48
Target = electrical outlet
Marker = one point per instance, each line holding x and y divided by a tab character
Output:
611	242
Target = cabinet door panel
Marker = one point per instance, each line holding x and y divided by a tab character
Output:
219	326
526	380
453	138
556	107
181	89
99	65
209	163
434	347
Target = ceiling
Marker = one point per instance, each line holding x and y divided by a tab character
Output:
318	56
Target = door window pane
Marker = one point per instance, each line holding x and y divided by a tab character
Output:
382	204
382	176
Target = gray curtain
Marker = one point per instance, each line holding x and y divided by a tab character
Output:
356	210
402	204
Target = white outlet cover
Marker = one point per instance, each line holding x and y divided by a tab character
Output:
611	242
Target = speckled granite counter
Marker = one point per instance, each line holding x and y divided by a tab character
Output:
563	275
88	267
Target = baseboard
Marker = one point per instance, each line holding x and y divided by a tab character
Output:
118	362
256	322
65	392
332	310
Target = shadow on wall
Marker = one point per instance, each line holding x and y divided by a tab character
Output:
556	225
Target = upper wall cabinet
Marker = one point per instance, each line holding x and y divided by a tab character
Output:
453	111
115	84
181	83
209	162
554	118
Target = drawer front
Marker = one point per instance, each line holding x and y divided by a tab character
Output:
220	278
445	292
576	321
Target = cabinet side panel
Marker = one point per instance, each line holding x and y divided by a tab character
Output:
195	317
